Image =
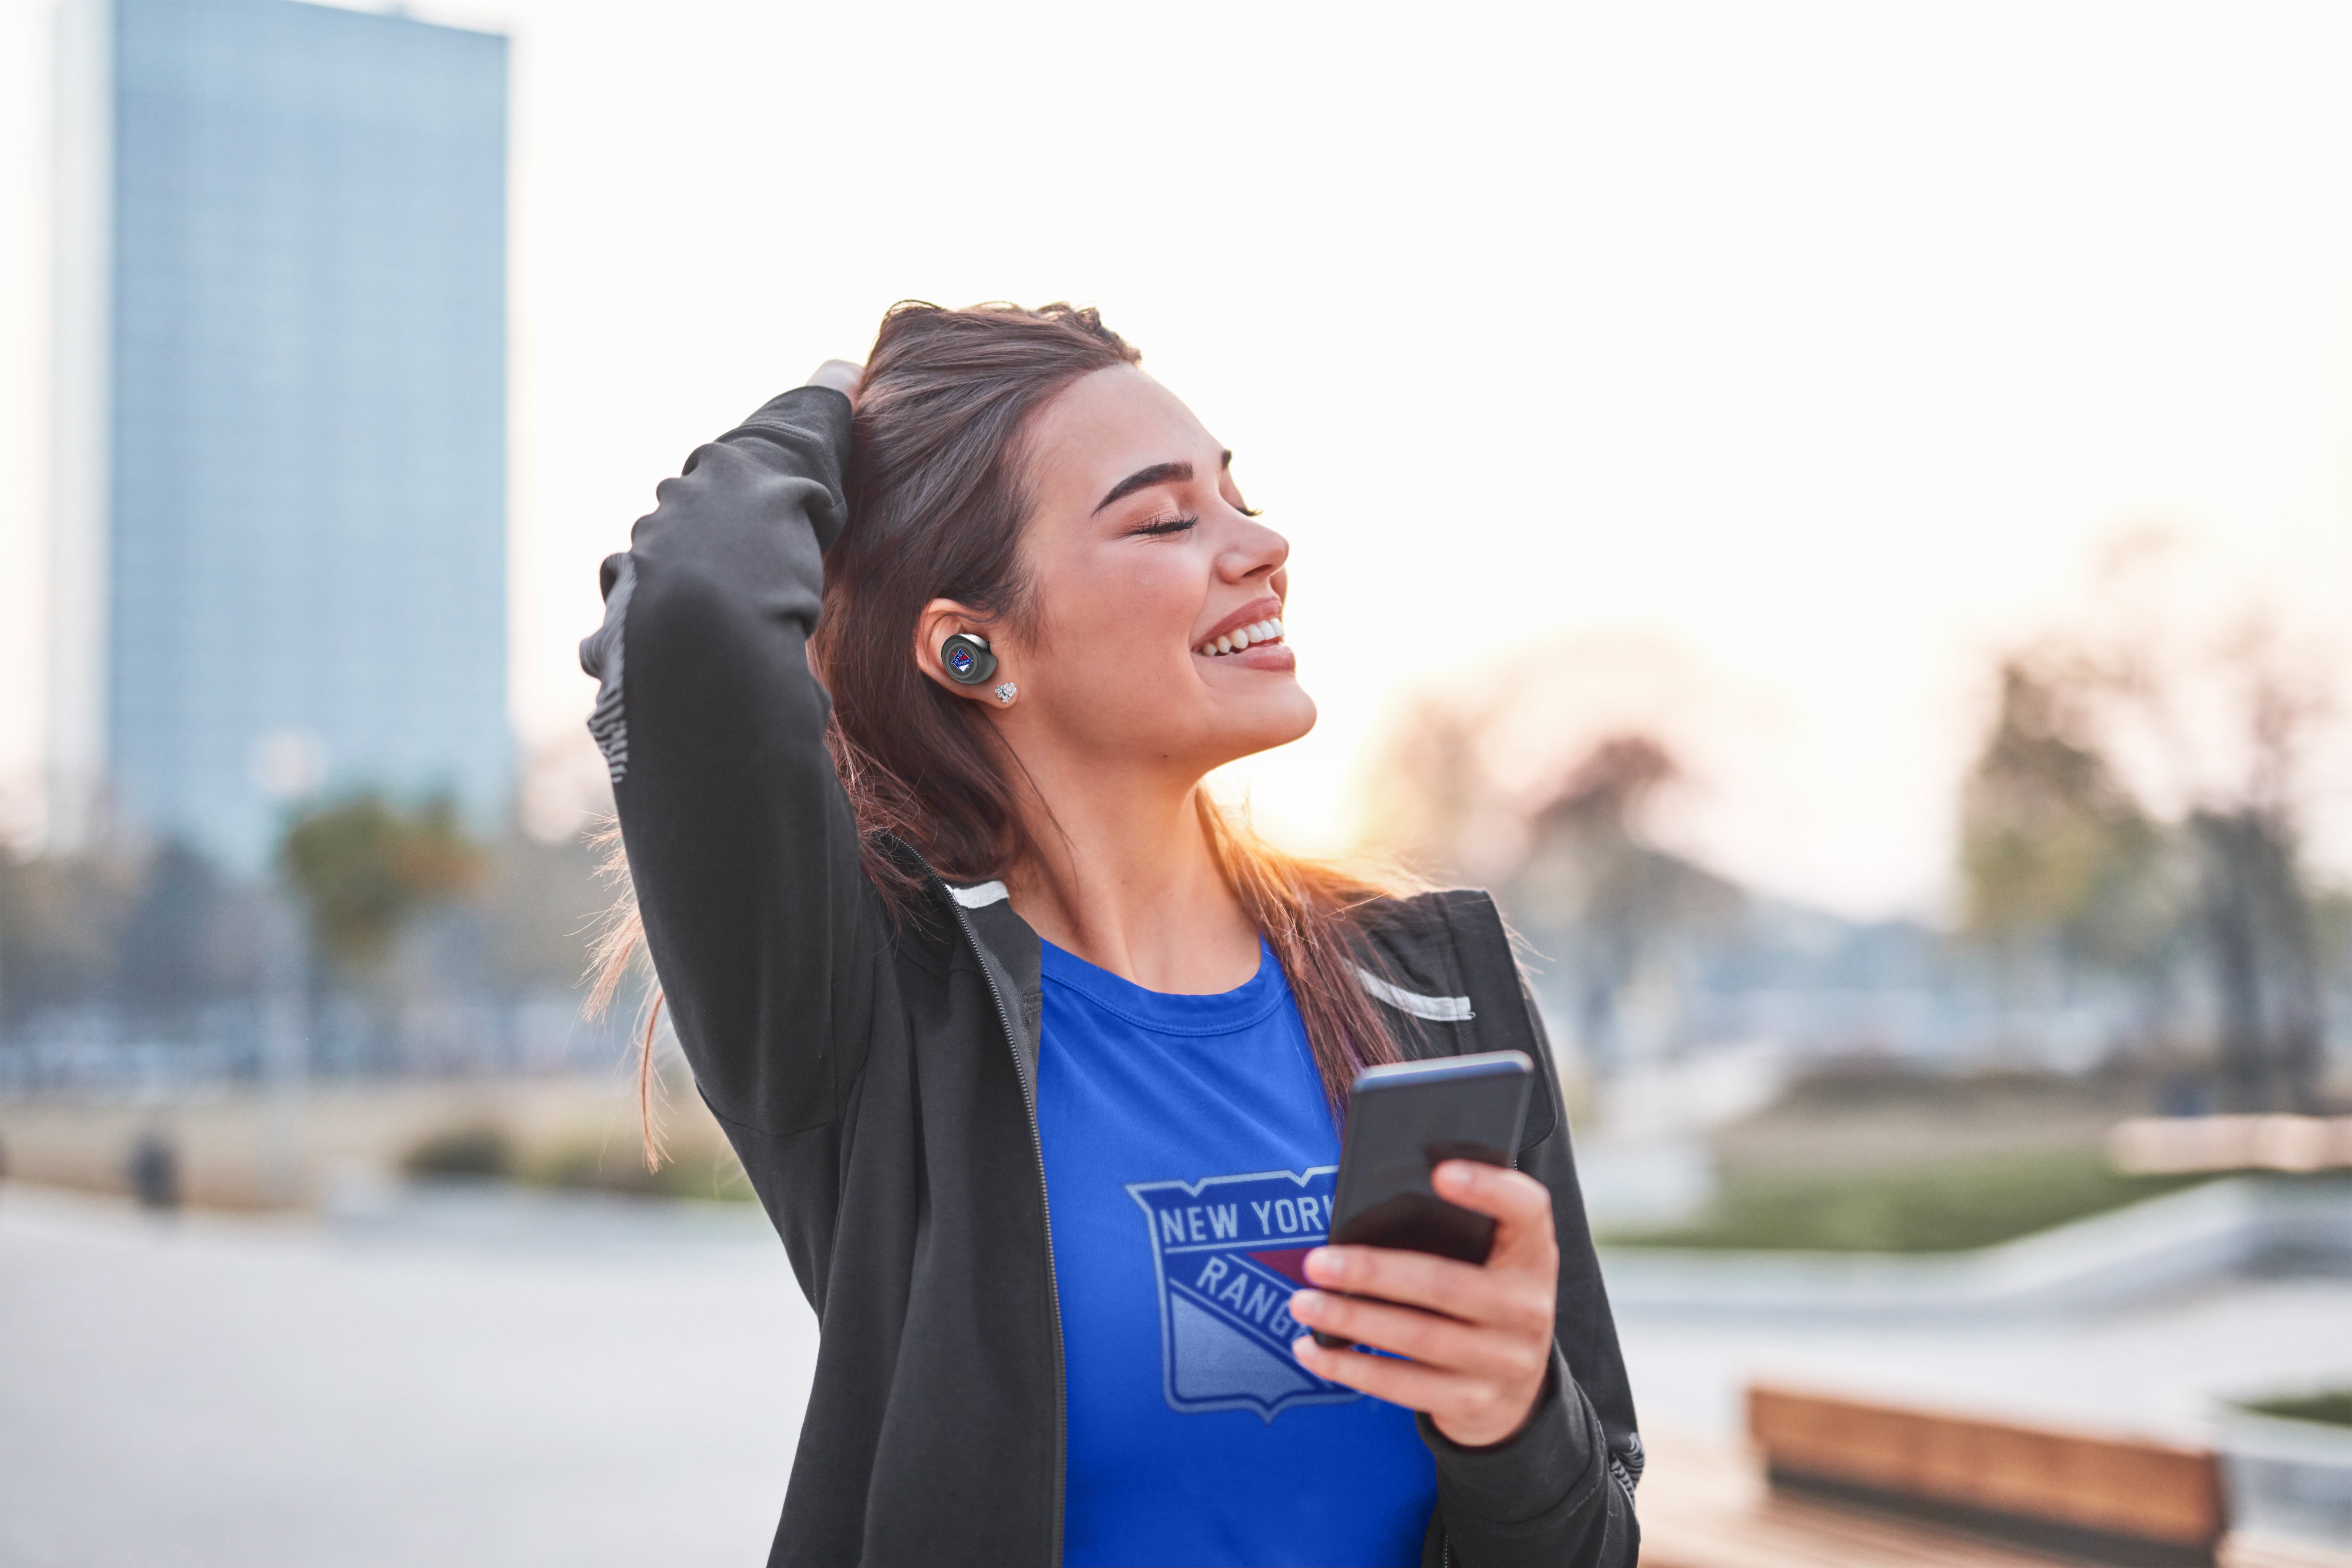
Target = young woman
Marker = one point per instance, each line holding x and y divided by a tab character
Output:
908	687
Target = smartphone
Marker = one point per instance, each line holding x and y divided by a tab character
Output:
1403	1119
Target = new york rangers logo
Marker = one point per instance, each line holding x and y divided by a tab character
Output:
1228	1252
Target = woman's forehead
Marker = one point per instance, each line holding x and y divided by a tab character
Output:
1106	425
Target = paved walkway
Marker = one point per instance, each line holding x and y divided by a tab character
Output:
499	1381
436	1391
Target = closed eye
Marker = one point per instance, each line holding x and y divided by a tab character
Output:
1162	527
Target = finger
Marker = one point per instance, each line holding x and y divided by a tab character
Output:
1414	1386
1440	1343
1514	1198
1417	1278
1520	1204
1518	1294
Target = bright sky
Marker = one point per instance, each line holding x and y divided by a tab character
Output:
1818	344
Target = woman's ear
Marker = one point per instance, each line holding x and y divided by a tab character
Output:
946	619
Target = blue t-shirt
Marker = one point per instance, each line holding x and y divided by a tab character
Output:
1190	1160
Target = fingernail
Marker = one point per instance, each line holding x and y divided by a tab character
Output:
1305	1304
1325	1265
1301	1346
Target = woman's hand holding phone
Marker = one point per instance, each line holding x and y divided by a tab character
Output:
1476	1340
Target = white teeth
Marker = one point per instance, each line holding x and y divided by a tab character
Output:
1267	630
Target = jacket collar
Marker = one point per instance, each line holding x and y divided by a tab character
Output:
1011	954
1440	963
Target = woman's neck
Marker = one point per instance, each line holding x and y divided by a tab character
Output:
1124	878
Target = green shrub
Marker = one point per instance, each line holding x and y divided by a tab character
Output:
2334	1409
595	1164
483	1150
1948	1207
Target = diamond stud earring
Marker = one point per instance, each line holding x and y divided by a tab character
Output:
1005	693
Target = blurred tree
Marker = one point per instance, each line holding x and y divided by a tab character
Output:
1570	860
59	919
436	938
2256	919
365	867
190	937
2053	848
1428	787
1613	902
2058	849
2257	906
540	904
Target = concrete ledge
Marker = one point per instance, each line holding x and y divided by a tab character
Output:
2220	1229
2288	1478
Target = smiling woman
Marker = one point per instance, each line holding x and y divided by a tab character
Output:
1016	1032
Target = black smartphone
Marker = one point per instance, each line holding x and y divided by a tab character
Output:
1402	1120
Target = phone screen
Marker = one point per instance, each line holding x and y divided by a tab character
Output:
1402	1121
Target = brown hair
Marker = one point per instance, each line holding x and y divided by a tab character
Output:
936	501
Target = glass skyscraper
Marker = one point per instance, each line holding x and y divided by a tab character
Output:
281	533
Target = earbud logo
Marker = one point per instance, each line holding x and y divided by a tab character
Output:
967	659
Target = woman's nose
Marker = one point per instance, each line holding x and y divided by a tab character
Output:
1256	549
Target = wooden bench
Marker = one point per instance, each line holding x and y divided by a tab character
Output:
2095	1499
1708	1505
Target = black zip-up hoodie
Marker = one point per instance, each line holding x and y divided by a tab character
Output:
876	1074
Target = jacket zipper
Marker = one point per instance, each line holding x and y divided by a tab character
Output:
1045	1209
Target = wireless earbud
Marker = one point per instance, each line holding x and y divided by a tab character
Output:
967	659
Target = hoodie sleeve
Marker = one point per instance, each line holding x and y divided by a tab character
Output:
742	844
1555	1494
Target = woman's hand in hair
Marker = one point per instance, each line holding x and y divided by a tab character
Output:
1476	1340
845	376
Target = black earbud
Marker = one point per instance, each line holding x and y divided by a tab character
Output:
967	659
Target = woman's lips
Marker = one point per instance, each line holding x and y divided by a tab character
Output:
1258	656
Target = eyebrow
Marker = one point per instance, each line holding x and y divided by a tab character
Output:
1157	474
1144	478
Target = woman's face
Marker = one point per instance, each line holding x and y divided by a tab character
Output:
1143	555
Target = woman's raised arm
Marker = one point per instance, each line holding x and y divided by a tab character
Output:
741	841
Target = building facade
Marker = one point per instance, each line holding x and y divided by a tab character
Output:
280	540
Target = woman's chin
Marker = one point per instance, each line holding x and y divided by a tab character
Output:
1269	720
